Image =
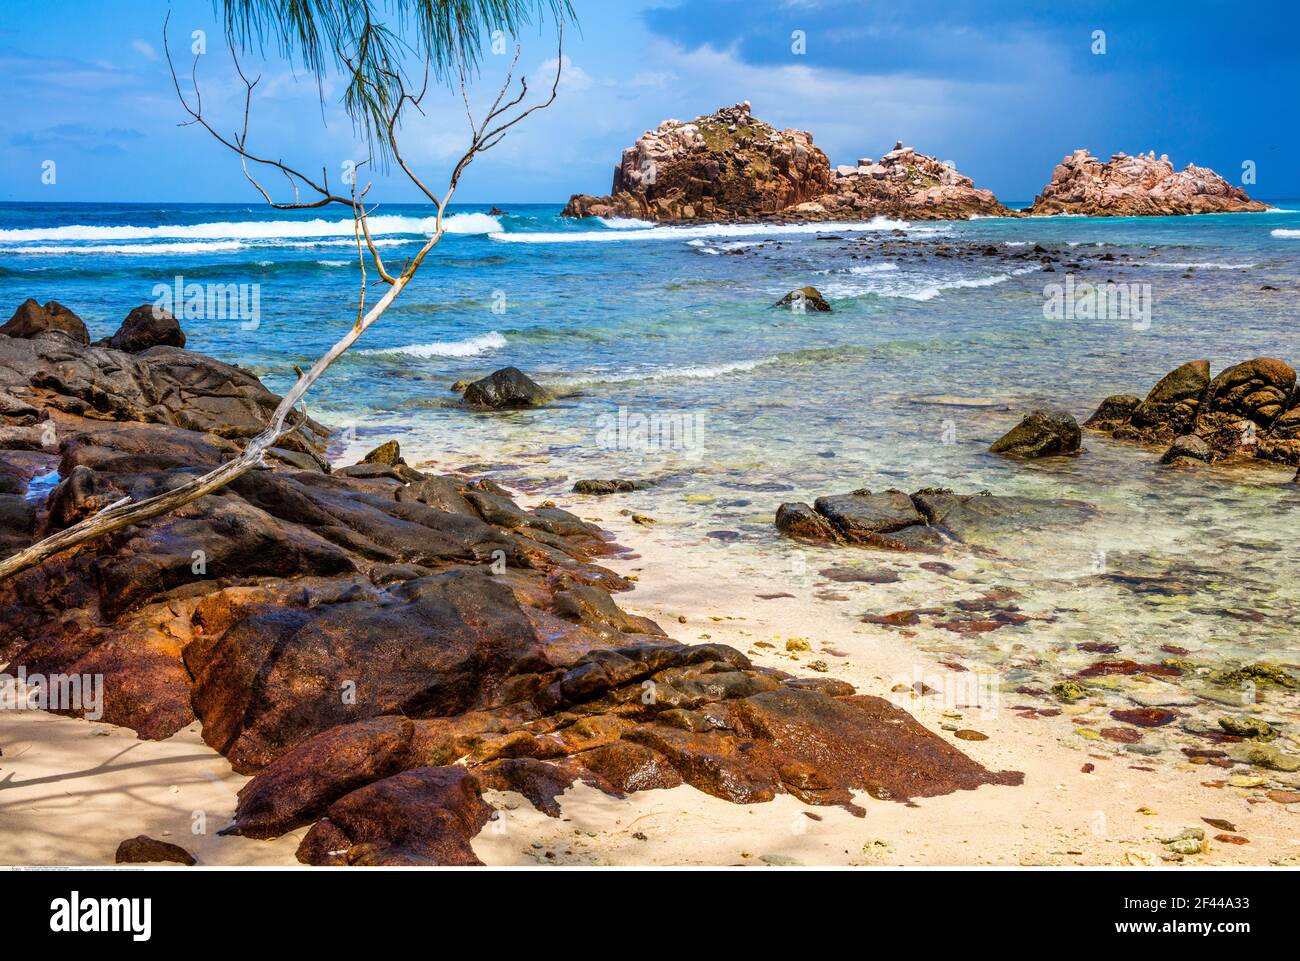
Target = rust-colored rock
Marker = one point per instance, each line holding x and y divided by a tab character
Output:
426	816
1135	186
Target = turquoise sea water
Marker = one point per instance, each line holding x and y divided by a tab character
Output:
936	345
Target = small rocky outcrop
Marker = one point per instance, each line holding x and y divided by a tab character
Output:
31	319
905	184
146	326
730	166
505	389
804	298
1248	411
601	488
927	521
1042	433
143	849
1127	186
389	454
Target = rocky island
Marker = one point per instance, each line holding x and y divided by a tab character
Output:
1137	186
731	166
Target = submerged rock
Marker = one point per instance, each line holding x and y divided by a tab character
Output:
601	488
926	520
1049	433
804	298
506	388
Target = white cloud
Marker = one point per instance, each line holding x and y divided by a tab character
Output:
145	49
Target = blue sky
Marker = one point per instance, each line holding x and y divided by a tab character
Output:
1004	90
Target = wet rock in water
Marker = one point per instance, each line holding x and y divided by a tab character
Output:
804	298
1267	756
1144	716
143	849
926	520
1250	727
1069	691
1042	433
866	518
31	319
425	816
852	575
802	522
146	326
1186	448
506	389
1114	411
388	453
1249	410
602	487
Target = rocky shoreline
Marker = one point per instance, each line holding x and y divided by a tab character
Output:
729	166
376	644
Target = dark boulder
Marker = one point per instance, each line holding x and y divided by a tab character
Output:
31	319
1187	447
388	453
1043	433
804	298
802	522
506	389
146	326
603	487
143	849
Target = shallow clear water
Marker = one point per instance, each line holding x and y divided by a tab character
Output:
933	349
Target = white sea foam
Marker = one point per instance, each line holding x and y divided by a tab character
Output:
188	247
1205	266
705	231
470	347
1280	232
862	269
624	223
270	230
900	287
663	373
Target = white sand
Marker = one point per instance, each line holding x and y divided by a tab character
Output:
71	790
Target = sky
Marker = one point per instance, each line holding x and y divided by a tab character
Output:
1004	90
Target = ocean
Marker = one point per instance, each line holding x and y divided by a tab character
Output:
672	365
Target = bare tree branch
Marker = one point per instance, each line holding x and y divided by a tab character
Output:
127	512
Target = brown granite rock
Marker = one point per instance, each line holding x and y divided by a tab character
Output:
1127	186
143	849
31	319
426	816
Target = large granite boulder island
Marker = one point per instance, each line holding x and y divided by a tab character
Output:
1139	186
730	166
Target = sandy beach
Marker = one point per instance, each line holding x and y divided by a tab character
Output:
71	790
